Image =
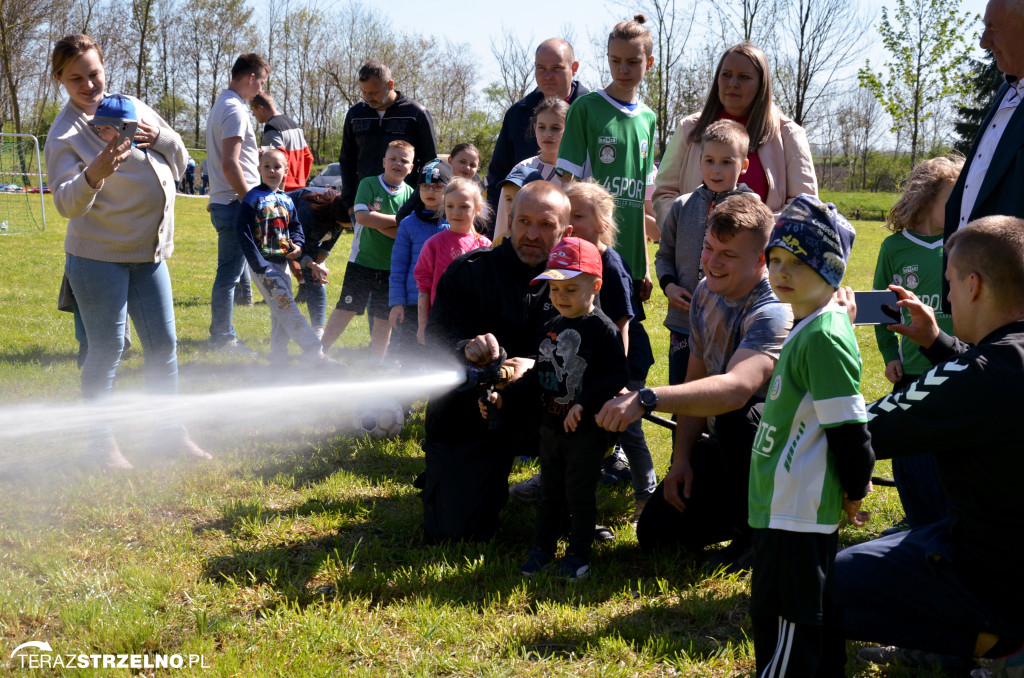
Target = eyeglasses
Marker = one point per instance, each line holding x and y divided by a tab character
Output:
432	188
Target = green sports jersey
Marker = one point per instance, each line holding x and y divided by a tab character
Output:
913	261
370	247
605	140
815	385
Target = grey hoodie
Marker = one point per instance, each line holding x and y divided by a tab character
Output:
682	240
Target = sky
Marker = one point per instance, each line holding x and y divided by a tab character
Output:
477	23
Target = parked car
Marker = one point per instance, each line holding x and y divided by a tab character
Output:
330	177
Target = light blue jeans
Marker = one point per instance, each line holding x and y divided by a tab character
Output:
316	299
286	320
106	293
230	262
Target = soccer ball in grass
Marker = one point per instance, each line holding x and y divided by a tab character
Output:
378	420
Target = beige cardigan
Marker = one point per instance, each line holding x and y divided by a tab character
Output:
786	160
130	217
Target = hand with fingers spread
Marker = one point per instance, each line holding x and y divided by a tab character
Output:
146	134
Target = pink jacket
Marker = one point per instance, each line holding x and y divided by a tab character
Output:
786	159
438	252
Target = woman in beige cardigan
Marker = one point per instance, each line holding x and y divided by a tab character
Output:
119	202
780	168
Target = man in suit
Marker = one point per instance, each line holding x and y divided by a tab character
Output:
992	180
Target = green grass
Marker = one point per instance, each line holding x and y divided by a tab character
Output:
861	205
301	554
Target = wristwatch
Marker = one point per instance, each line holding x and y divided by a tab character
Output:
648	400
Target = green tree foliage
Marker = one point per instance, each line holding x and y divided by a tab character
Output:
985	82
928	51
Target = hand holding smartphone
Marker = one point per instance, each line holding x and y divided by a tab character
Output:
877	307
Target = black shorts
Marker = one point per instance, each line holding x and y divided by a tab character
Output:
361	285
792	574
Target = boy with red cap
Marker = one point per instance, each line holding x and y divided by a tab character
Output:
580	364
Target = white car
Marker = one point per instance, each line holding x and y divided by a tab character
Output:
330	177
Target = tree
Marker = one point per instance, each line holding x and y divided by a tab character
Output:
747	21
670	32
142	20
985	81
515	66
826	36
927	53
19	23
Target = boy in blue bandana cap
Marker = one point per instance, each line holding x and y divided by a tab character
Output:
812	458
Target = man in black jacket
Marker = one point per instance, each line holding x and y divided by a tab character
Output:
953	587
993	175
555	65
383	115
485	300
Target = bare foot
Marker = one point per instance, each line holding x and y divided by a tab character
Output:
190	449
113	459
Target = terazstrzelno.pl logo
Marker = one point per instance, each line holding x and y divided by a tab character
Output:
46	658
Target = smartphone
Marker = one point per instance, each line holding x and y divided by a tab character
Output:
877	307
126	130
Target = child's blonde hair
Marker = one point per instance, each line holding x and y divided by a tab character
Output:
634	30
464	184
403	144
921	189
599	200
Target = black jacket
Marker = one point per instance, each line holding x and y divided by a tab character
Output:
366	136
483	291
516	140
1001	191
967	412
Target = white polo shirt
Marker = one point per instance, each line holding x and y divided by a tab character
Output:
987	148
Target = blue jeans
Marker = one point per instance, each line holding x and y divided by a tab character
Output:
634	445
903	590
316	299
230	262
106	293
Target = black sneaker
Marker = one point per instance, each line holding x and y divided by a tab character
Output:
573	568
300	296
736	557
536	561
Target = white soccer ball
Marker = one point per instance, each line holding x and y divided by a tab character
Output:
378	420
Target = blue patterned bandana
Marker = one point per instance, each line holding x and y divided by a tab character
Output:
817	234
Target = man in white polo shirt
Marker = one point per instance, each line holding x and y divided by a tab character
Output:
992	180
233	162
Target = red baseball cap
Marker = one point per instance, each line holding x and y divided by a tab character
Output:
570	257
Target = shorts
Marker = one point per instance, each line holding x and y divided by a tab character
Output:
361	285
792	575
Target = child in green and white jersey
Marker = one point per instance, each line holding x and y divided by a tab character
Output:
812	457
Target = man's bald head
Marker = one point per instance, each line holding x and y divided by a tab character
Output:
555	65
540	217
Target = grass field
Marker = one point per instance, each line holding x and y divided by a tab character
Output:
300	554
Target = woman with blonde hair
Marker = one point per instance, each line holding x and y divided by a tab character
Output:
119	202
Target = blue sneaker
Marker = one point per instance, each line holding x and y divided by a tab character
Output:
536	561
573	568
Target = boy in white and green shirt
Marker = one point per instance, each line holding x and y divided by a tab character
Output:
367	275
812	457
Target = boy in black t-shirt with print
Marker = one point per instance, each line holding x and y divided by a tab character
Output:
580	364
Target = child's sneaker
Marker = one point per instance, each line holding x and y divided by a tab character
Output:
1010	666
573	568
536	561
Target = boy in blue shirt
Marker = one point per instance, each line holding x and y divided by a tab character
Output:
270	235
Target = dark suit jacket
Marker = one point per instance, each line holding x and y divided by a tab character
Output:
1002	192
